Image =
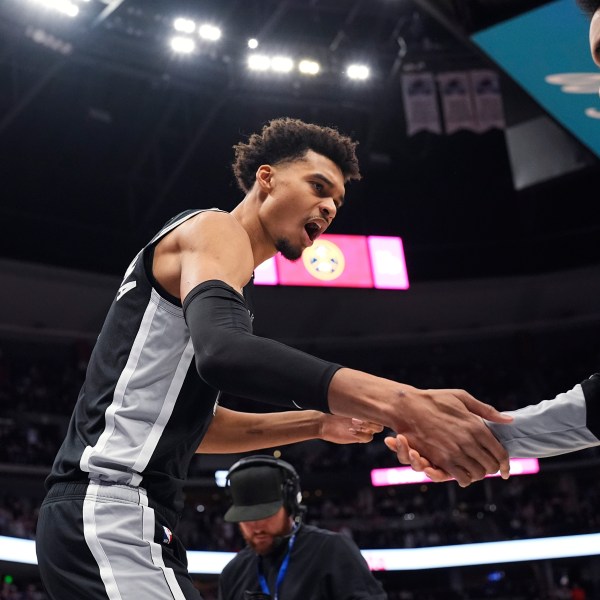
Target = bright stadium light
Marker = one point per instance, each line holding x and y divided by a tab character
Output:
389	559
309	67
282	64
259	62
182	45
253	43
358	72
66	7
184	25
209	32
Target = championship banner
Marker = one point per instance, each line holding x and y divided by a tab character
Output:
420	103
485	89
457	103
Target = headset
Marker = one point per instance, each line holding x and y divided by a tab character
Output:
291	493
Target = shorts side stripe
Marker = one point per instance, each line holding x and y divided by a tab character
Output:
91	538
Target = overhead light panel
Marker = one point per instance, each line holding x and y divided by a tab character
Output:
66	7
182	45
358	72
309	67
259	62
209	32
253	43
282	64
184	25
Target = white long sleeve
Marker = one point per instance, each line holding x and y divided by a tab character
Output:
549	428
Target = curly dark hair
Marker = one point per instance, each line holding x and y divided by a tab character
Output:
286	139
589	7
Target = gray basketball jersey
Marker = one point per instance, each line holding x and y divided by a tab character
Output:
143	409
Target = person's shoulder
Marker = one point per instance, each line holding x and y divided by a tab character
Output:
208	225
325	535
332	538
212	216
239	560
313	530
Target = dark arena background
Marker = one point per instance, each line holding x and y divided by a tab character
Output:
479	148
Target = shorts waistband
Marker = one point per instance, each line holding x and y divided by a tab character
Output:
110	491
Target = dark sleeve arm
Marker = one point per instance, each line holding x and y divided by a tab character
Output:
591	391
230	358
351	577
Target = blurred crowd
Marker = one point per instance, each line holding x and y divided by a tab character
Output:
39	384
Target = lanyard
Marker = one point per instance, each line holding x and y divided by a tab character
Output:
280	575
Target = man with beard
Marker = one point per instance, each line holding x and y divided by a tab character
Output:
285	558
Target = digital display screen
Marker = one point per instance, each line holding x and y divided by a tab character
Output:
405	475
341	261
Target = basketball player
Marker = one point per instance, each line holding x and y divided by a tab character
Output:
178	331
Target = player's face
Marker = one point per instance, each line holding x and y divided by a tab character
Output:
595	37
303	199
261	535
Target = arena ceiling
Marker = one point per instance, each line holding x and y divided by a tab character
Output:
105	133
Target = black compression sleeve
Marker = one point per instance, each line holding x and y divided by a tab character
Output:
230	358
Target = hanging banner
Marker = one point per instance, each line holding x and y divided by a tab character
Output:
457	103
485	89
420	103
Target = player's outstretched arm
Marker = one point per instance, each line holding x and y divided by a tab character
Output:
567	423
233	431
206	260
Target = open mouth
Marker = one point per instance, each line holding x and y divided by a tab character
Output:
313	230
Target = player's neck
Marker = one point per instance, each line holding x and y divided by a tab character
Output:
246	213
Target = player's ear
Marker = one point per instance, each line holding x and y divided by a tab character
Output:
264	178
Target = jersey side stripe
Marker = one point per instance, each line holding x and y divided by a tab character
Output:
118	396
167	408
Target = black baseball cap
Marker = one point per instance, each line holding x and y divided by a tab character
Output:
256	492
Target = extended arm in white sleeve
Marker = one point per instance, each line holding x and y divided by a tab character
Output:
567	423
